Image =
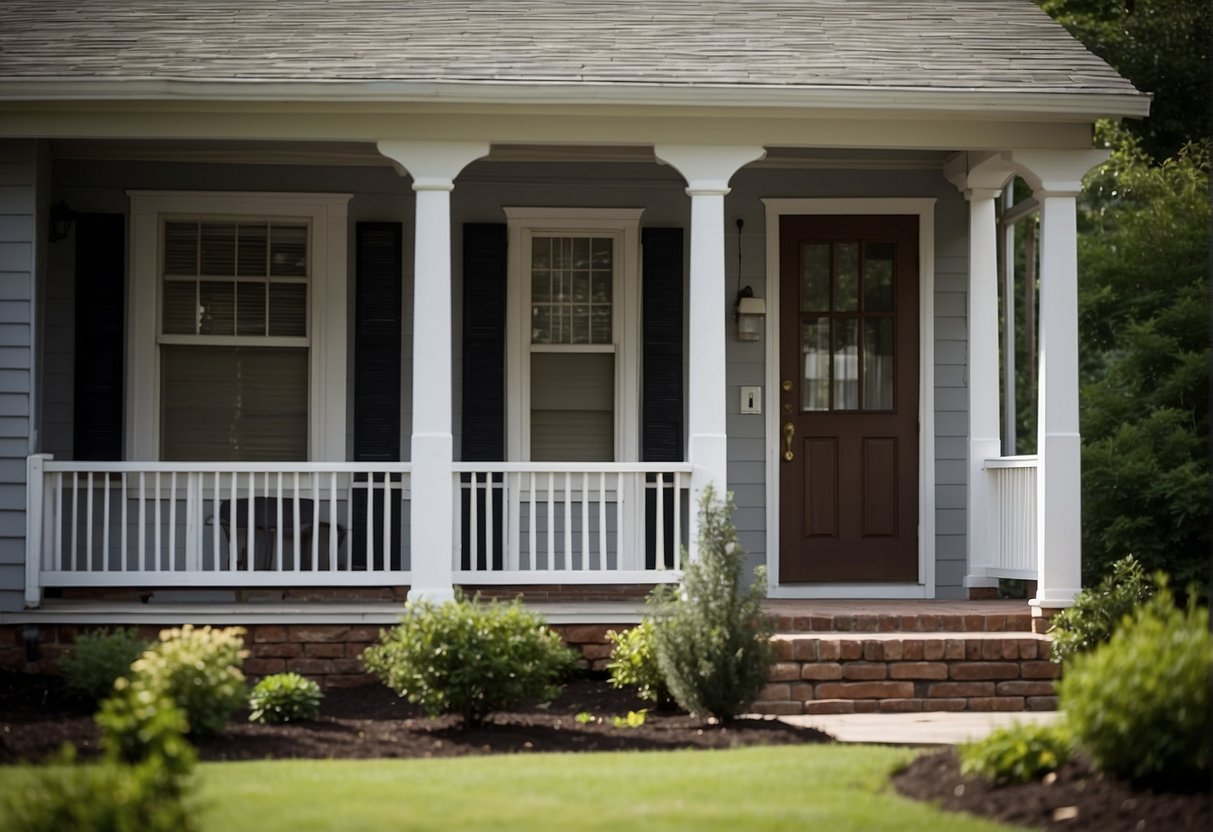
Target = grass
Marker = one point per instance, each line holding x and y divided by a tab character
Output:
795	788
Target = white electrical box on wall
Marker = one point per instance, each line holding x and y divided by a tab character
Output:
751	400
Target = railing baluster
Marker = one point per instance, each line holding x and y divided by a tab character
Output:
369	543
489	523
142	554
75	522
532	531
88	527
332	521
105	526
296	526
678	485
568	521
585	520
172	522
122	497
474	524
316	504
215	520
602	535
551	520
659	548
387	521
620	508
158	558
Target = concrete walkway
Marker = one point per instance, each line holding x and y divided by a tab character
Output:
936	728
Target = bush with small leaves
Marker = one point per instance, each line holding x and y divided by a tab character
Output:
199	669
1139	705
633	663
99	658
284	697
1098	611
711	638
138	723
1017	754
470	658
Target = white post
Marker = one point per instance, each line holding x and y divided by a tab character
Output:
707	171
34	508
433	166
980	178
1056	178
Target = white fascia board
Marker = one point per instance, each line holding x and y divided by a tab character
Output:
1013	103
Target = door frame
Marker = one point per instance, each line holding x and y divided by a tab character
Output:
924	209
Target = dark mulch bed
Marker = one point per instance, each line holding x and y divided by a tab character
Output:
38	715
1077	799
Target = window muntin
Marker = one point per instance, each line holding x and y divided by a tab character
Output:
571	290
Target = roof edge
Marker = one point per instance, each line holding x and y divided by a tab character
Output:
1002	101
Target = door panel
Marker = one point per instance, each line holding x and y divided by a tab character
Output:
849	399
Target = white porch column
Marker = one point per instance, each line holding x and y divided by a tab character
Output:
1056	179
981	178
433	166
707	171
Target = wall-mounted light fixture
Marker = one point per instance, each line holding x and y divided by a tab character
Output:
749	311
61	218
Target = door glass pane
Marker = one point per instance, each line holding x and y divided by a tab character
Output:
815	350
878	277
815	277
878	364
846	364
846	277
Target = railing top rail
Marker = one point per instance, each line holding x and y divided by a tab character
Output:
1027	461
572	467
136	466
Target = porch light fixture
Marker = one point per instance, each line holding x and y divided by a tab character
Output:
61	218
749	311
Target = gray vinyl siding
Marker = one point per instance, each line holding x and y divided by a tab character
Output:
480	193
19	252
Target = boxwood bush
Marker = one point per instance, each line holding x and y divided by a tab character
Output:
1139	705
470	658
284	697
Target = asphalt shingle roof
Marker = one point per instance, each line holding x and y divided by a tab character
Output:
986	45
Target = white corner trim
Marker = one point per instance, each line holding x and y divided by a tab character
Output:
326	214
924	209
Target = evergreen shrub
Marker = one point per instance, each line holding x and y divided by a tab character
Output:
284	697
100	657
1098	611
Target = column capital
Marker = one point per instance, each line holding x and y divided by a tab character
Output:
432	165
1057	172
978	175
707	168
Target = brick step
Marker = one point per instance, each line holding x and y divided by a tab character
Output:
897	673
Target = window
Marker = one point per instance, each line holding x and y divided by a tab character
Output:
571	328
238	327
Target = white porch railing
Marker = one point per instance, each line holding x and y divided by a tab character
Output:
199	524
1012	538
552	522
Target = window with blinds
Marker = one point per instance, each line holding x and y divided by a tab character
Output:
234	340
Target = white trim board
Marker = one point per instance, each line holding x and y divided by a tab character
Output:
924	209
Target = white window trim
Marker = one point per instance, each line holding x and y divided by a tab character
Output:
621	224
326	215
924	209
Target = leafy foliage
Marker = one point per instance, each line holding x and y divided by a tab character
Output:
1162	46
1017	754
1098	611
99	658
470	658
711	639
633	663
1139	705
140	724
199	669
284	697
1144	287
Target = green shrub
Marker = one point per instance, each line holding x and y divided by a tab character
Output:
469	658
199	669
284	697
139	724
712	641
99	658
103	797
1017	754
1098	611
1139	705
633	663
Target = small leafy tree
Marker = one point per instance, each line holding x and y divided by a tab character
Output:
711	639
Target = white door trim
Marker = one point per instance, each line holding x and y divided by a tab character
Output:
924	209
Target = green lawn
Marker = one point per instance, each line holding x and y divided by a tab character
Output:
796	788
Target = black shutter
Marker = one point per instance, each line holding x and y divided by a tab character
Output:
378	299
483	424
661	387
100	292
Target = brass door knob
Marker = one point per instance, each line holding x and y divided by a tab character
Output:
789	431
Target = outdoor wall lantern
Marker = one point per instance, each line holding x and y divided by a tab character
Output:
62	218
749	311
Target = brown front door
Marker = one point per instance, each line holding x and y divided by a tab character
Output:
848	399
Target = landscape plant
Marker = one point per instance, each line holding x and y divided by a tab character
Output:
1019	753
1139	705
711	638
470	658
1099	610
284	697
98	658
633	663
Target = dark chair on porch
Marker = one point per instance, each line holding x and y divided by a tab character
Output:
264	523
